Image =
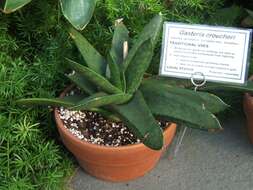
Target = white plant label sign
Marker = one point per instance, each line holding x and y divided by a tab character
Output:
220	54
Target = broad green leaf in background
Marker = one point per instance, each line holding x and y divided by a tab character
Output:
140	120
91	56
8	6
78	12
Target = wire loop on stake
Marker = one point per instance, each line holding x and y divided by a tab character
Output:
203	80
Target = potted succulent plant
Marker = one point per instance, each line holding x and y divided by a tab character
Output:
112	119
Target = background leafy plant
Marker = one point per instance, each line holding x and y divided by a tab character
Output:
77	12
30	157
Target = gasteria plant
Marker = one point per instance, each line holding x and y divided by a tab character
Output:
77	12
116	87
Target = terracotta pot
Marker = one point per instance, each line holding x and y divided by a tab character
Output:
248	109
113	163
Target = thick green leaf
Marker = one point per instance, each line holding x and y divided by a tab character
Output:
140	120
210	86
101	99
68	102
138	66
120	36
46	102
248	87
150	31
91	56
8	6
181	83
78	12
115	72
115	58
178	108
82	83
123	80
211	102
74	98
94	77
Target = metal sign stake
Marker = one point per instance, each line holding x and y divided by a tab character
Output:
184	128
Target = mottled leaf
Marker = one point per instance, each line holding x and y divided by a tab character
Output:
82	83
119	37
94	77
210	101
138	66
181	83
140	120
91	56
115	72
178	108
101	99
151	31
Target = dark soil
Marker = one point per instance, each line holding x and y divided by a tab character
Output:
94	128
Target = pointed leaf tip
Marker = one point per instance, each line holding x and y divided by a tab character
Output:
92	57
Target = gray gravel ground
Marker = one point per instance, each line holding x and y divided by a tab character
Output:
216	161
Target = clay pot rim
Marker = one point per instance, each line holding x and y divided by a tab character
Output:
60	124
